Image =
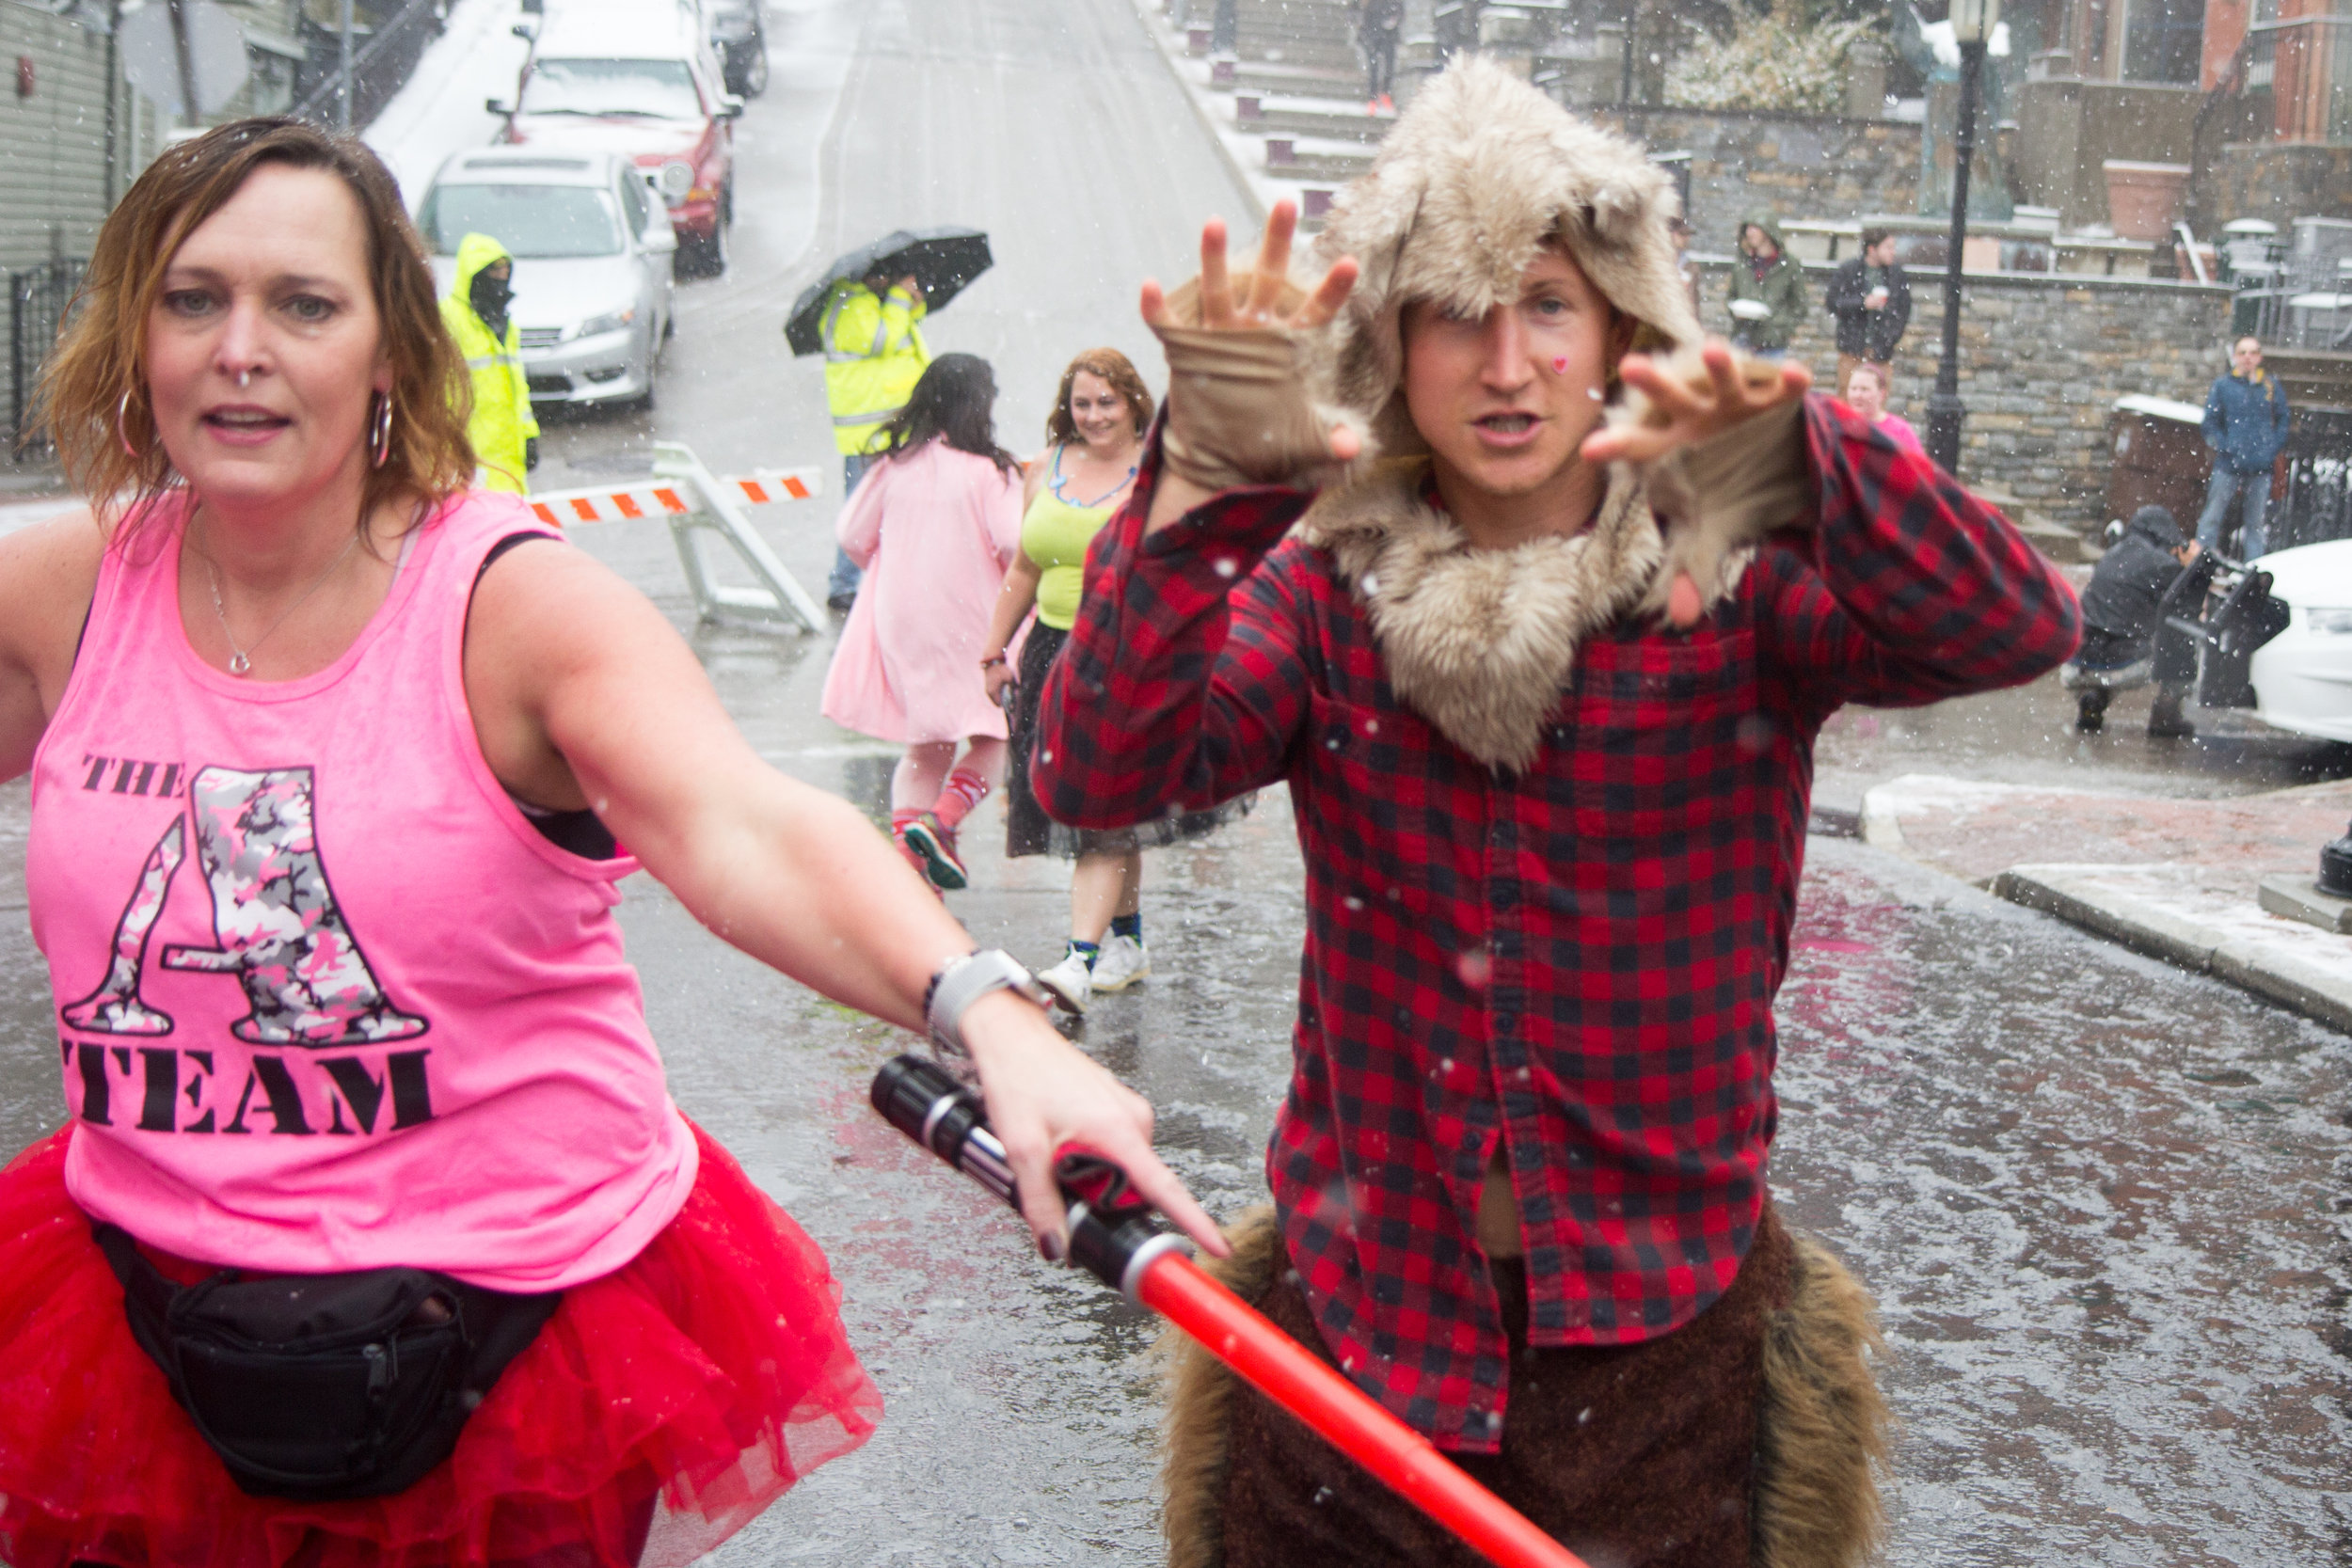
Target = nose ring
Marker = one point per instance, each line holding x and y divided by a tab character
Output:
243	376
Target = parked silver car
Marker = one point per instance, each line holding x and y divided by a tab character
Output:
593	248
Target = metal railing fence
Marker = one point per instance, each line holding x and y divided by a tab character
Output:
39	300
2318	502
378	66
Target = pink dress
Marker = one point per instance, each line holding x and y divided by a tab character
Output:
935	531
1899	428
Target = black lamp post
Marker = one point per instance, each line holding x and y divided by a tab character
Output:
1972	28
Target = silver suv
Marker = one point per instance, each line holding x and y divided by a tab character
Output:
592	249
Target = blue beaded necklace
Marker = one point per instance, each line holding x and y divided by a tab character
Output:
1087	506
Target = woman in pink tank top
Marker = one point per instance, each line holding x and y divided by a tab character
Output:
326	792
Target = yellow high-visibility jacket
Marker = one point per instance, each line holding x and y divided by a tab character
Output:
503	419
874	355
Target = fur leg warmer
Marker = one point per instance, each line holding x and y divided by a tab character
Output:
1194	1431
1822	1435
1820	1443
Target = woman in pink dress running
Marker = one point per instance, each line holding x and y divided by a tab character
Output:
373	1239
934	523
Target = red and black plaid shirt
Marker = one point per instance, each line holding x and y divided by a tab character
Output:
1579	961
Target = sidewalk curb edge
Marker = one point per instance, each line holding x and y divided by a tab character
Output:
2274	979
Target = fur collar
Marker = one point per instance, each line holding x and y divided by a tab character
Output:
1480	642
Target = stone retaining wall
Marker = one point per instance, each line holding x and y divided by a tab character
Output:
2041	361
1791	166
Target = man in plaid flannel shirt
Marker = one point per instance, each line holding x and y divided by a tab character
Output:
1545	695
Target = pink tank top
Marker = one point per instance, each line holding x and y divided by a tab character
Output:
325	999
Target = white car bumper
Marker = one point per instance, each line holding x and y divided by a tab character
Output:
2302	681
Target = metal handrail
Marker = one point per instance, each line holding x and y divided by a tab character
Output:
318	104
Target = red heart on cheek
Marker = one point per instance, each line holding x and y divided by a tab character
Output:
1560	366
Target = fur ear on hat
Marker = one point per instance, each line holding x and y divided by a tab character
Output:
1477	174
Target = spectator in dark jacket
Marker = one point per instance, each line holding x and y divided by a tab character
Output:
2132	589
1871	299
2246	424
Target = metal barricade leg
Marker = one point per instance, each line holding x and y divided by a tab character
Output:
780	596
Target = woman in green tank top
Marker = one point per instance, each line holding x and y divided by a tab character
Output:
1095	436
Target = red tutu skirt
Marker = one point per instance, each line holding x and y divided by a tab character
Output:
660	1410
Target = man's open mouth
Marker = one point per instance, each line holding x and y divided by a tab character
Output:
1507	424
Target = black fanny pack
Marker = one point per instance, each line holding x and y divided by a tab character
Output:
315	1388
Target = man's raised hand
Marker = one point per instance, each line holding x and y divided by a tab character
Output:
1239	410
1261	301
1683	406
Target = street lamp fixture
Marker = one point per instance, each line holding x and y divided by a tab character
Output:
1973	21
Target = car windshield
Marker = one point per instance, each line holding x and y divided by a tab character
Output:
531	221
664	88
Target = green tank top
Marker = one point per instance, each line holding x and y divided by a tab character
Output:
1054	535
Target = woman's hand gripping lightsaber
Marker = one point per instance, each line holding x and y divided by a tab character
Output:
1114	1236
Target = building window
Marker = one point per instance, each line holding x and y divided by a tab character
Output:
2164	41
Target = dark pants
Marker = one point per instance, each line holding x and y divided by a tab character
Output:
1379	62
1627	1455
842	583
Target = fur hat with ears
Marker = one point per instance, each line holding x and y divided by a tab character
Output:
1477	174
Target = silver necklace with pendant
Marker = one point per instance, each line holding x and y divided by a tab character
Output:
241	659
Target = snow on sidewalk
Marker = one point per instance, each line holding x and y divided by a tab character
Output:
439	112
2178	879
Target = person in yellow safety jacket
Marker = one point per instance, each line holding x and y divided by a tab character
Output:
504	434
874	355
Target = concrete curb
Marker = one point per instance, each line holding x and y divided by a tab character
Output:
2278	978
1150	15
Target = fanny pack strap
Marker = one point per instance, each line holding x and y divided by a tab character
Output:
147	1295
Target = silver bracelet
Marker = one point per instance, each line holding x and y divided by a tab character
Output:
964	981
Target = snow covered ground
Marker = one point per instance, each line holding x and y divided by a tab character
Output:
439	112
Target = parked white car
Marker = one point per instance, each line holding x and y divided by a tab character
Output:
592	249
2302	678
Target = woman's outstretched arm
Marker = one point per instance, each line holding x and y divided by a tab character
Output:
585	696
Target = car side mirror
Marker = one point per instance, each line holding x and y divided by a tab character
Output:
730	106
498	107
525	31
659	236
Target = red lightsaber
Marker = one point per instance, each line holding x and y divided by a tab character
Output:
1114	1236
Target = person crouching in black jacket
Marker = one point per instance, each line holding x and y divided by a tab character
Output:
2151	570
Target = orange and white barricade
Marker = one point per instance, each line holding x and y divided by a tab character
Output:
694	502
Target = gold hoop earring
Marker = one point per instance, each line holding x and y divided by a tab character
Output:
381	439
122	410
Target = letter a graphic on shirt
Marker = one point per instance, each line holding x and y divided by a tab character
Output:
281	933
115	1007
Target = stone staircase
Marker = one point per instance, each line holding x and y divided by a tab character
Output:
1317	34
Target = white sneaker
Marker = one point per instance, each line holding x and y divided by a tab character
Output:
1068	982
1121	962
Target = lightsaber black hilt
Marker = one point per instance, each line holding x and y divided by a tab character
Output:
1113	1233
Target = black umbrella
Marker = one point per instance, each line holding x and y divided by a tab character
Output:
942	261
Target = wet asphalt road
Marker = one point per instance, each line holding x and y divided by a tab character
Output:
2103	1203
